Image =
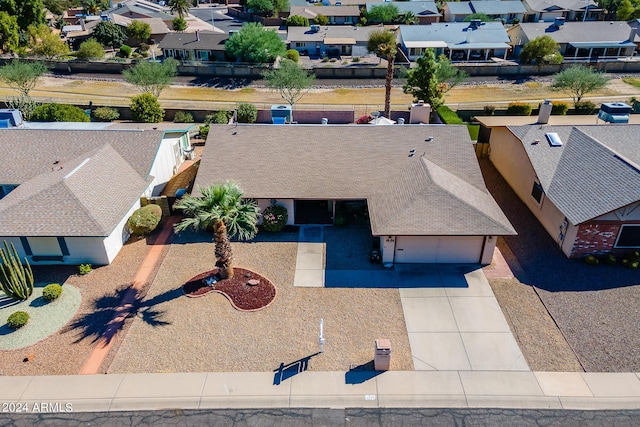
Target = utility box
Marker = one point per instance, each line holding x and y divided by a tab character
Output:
382	357
419	113
281	114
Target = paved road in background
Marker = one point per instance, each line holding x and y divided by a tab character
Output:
334	417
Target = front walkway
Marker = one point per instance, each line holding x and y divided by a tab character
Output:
453	319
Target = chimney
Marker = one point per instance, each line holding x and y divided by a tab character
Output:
558	21
545	112
82	24
474	24
197	36
419	113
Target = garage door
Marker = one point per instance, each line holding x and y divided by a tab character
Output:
444	249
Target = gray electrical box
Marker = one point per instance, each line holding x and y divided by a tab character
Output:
382	357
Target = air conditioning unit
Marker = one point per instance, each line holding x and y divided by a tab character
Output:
315	28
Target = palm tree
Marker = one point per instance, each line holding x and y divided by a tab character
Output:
223	208
181	7
383	43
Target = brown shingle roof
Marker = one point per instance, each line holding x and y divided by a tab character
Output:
442	193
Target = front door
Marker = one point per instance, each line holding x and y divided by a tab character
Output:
312	212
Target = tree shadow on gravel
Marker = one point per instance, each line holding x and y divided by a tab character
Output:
110	313
537	259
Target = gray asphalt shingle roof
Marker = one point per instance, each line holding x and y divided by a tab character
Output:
549	5
193	41
589	31
419	8
594	172
85	196
488	7
33	152
442	193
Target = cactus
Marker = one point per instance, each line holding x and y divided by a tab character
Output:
16	280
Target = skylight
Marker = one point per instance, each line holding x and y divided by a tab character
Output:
554	139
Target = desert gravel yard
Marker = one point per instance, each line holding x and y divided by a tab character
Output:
596	308
174	333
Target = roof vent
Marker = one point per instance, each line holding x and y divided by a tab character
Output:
474	24
315	28
554	139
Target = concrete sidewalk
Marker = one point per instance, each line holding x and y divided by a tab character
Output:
368	389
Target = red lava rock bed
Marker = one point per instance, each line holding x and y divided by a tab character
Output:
238	290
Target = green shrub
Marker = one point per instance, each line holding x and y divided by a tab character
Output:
204	131
449	116
125	51
220	117
183	117
145	220
609	259
274	218
144	48
355	59
297	21
519	109
591	260
559	108
634	265
247	113
293	55
18	319
105	114
145	108
474	131
489	110
51	291
84	269
90	49
58	113
585	107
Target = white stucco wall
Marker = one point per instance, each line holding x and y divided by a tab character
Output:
168	159
487	250
287	203
119	235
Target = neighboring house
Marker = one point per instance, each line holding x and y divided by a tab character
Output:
571	10
580	41
459	41
159	28
425	11
194	46
338	15
330	40
585	192
421	184
66	195
506	11
76	34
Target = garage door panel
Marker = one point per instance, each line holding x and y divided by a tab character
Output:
443	249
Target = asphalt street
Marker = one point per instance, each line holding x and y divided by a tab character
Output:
333	417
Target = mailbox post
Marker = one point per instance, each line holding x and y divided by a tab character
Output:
382	357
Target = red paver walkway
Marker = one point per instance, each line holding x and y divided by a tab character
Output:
498	269
104	343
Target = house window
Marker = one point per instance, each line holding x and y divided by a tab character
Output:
537	192
629	237
299	44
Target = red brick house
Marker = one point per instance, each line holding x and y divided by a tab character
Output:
581	182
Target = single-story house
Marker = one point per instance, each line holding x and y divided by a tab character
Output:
201	46
421	184
66	195
582	182
580	41
459	41
507	11
571	10
330	40
425	11
337	15
159	28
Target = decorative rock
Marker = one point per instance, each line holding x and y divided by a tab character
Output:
253	282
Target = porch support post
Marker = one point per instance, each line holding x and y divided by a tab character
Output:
333	212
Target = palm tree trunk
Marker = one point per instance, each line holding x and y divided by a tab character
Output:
387	87
223	253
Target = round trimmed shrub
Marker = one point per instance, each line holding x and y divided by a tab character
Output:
18	319
52	291
125	51
58	113
591	260
293	55
145	108
145	220
247	113
105	114
183	117
274	218
519	109
559	108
